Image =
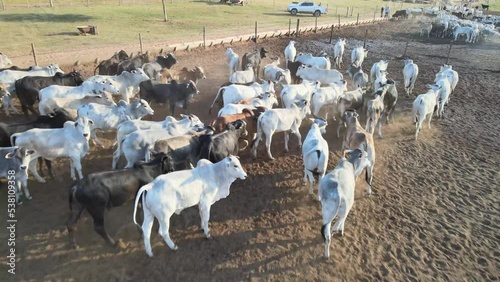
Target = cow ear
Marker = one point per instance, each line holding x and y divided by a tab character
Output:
76	124
10	155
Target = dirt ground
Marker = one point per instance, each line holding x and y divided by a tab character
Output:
434	214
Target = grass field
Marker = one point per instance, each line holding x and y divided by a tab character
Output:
54	29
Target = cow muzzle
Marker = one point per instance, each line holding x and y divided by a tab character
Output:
23	167
85	135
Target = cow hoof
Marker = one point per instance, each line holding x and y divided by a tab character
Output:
29	198
42	180
74	246
286	150
208	237
20	202
271	158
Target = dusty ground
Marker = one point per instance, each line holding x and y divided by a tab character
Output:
434	214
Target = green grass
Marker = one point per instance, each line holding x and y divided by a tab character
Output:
55	29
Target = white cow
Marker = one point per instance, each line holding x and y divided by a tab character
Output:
358	55
279	120
410	73
78	92
377	69
71	141
444	92
6	100
14	162
338	52
374	110
380	81
232	94
310	60
242	77
5	62
425	29
109	117
336	190
127	82
277	74
423	106
172	193
10	76
451	74
467	30
358	77
71	105
290	53
170	124
315	153
325	76
327	96
293	92
233	61
268	100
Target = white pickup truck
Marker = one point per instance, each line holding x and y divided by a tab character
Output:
307	8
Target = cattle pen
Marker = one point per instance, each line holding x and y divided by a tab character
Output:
431	216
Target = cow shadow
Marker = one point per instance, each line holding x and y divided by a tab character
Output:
34	17
64	33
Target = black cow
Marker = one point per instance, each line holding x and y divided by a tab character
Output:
485	7
104	190
175	94
182	150
132	64
400	14
110	66
293	67
28	88
53	120
216	147
153	68
16	68
253	59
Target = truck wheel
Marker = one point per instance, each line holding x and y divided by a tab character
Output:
293	12
317	13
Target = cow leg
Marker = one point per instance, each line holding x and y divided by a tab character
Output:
430	118
72	169
328	212
256	144
97	214
33	111
164	228
24	184
24	108
32	168
269	139
287	138
311	181
48	164
116	157
369	177
299	137
78	167
40	166
205	216
380	127
147	225
76	212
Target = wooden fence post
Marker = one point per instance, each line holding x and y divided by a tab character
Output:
3	5
297	30
256	33
406	47
51	4
339	22
352	9
289	27
331	34
449	52
347	13
204	38
364	41
164	10
34	53
140	41
315	24
357	20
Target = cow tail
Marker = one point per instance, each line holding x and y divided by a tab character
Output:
144	190
97	67
218	99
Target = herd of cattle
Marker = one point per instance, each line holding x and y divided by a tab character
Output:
454	23
175	164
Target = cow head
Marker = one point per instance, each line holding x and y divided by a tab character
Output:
200	73
350	116
109	85
319	123
53	69
140	75
82	126
359	160
192	89
23	155
142	107
239	126
234	168
122	56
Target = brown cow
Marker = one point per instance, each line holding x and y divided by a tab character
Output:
183	75
249	116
